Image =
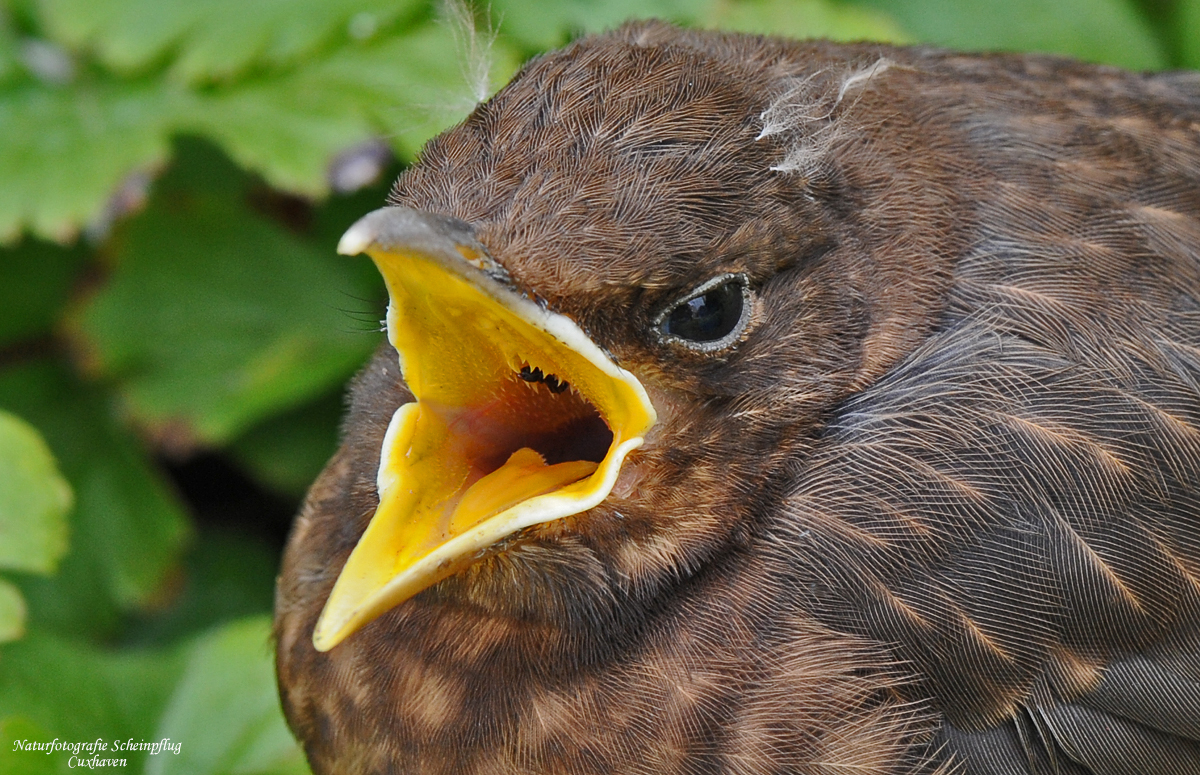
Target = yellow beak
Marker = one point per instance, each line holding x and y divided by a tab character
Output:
519	418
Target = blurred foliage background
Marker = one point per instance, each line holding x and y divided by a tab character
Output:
176	330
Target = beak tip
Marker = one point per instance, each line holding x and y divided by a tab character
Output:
357	238
323	639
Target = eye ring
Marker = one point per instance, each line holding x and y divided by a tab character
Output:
713	317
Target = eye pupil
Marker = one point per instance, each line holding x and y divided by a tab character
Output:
709	316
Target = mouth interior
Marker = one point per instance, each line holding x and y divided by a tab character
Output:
539	412
532	433
519	418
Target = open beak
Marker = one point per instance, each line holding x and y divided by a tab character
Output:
519	417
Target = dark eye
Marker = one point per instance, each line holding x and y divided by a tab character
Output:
712	317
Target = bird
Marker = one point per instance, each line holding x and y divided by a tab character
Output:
757	406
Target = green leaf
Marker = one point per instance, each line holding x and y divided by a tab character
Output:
67	149
216	318
35	282
1109	31
226	576
1189	32
55	688
127	528
412	87
34	500
12	612
546	25
805	19
225	710
9	66
214	39
70	147
282	131
288	450
289	127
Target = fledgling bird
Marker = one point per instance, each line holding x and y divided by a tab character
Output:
760	406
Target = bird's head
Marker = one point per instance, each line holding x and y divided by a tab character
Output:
625	294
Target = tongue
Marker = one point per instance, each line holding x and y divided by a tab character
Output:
525	475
